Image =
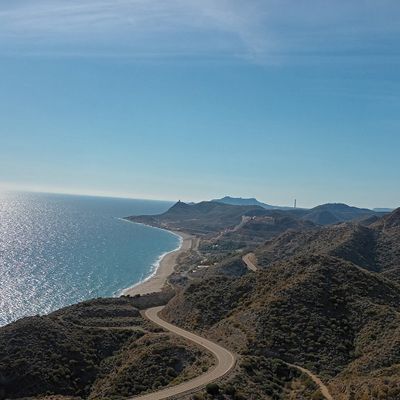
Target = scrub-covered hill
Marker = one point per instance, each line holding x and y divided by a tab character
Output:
320	312
98	349
200	218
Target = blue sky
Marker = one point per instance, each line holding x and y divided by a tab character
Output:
199	99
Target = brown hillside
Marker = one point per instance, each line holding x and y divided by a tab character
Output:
321	312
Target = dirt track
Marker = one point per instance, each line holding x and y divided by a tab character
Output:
324	390
250	261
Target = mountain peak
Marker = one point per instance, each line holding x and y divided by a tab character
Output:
242	201
178	206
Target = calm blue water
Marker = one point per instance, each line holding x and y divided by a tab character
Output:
56	250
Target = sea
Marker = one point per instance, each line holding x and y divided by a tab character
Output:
56	250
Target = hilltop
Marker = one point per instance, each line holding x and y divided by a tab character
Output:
327	214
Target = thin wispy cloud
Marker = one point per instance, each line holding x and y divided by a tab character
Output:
252	30
152	27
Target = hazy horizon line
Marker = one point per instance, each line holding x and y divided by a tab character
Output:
126	196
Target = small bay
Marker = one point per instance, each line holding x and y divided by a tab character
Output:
56	250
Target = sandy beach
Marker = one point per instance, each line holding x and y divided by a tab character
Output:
166	267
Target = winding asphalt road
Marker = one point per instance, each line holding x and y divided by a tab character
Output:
225	361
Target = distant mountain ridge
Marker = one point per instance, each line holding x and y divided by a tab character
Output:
384	209
214	216
324	214
251	201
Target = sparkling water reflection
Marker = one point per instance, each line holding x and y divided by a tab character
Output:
56	250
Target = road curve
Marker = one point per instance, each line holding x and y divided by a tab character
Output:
225	361
249	260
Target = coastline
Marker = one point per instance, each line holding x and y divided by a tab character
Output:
164	267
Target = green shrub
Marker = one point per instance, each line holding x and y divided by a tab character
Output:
230	390
212	388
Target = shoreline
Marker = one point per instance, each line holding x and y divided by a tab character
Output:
164	267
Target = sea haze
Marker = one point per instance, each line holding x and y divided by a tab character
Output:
56	250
